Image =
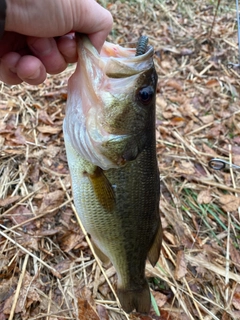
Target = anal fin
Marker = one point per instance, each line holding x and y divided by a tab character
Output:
154	252
105	260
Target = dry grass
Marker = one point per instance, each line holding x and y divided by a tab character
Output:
47	270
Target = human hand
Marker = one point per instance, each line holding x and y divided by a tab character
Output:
38	36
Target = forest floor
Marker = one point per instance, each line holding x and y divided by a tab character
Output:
47	270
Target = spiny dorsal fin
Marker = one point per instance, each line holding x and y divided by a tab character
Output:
105	260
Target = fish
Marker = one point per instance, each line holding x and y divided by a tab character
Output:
109	134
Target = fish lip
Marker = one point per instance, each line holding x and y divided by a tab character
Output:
88	45
124	61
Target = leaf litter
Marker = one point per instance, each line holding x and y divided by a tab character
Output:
47	268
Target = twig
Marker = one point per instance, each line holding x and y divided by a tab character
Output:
214	19
18	287
54	271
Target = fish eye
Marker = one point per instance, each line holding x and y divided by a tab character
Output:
146	94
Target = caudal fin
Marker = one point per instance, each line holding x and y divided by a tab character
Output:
138	299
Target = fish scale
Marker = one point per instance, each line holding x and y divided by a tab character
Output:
119	206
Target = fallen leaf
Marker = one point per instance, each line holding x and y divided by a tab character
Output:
207	119
44	117
235	255
20	214
161	102
160	298
229	202
71	240
171	238
9	200
185	167
174	84
212	83
226	316
102	312
204	196
236	300
209	150
86	311
236	159
181	267
52	200
27	296
49	129
18	137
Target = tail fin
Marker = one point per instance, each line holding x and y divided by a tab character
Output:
138	299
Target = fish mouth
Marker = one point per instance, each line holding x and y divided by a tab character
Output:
120	62
98	73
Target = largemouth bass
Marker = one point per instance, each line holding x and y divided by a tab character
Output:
109	133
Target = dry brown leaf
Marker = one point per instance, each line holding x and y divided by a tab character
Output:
160	298
215	131
212	83
226	316
204	196
181	267
102	312
236	159
18	137
86	311
3	263
28	241
27	296
207	119
52	200
235	255
49	129
174	84
236	300
9	200
7	288
229	202
71	240
20	214
185	167
188	109
170	237
161	102
44	117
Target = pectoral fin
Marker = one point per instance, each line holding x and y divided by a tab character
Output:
103	189
154	252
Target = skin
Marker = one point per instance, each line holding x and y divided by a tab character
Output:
39	38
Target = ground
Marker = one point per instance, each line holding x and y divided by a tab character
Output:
47	269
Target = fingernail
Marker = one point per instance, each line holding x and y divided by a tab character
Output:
42	46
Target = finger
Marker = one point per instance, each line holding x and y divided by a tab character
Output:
94	21
31	70
8	68
47	51
68	47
